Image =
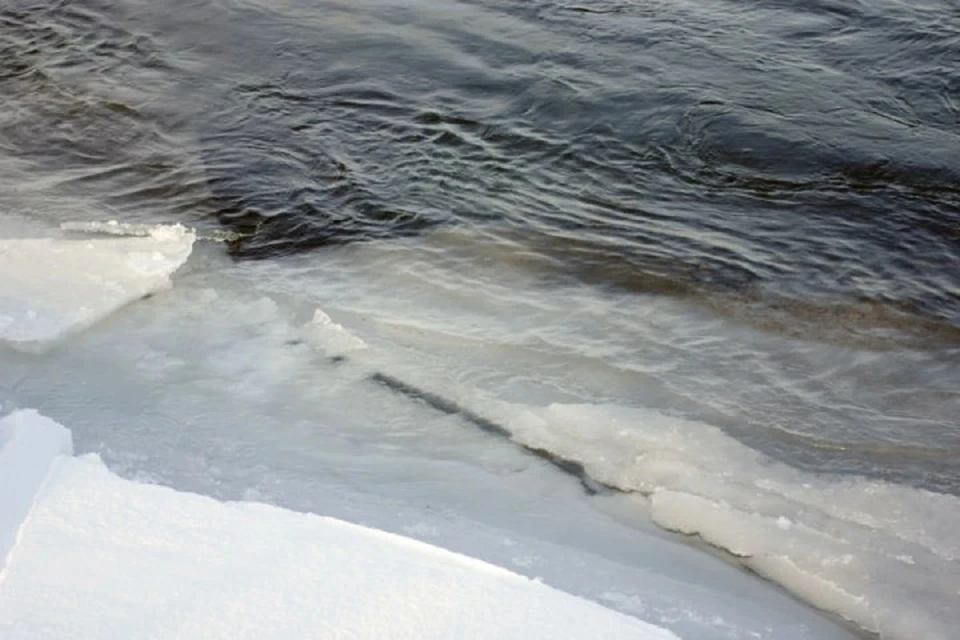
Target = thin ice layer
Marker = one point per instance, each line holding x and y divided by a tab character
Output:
102	557
885	556
52	287
109	228
29	443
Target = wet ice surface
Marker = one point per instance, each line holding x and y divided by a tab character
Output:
217	387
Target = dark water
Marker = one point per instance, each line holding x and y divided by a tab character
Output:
805	157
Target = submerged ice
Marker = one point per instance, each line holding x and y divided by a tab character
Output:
882	555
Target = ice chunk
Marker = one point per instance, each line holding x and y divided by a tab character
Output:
330	337
51	287
29	443
103	557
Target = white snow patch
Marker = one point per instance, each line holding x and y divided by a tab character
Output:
55	286
29	443
103	557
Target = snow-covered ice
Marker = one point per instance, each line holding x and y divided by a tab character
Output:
29	443
54	286
104	557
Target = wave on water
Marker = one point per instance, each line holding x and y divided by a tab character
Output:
799	155
87	132
795	167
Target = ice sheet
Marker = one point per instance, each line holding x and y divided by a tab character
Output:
51	287
220	391
103	557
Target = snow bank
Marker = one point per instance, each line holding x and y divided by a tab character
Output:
51	287
884	556
103	557
28	445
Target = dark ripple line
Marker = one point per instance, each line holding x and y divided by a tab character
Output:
449	407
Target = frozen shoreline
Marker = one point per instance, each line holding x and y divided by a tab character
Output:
178	378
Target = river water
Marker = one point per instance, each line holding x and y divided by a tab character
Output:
700	248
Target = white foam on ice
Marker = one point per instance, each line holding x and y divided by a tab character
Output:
29	443
52	287
103	557
884	556
109	227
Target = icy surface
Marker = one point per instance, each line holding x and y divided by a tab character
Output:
884	556
51	287
103	557
228	386
29	443
217	391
